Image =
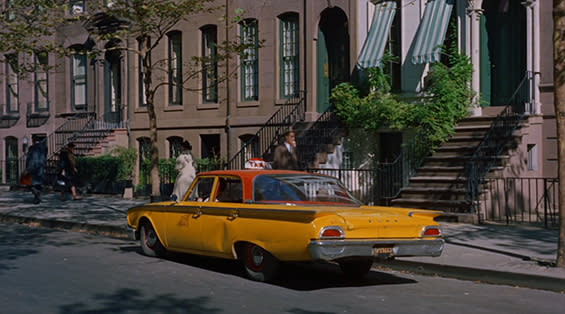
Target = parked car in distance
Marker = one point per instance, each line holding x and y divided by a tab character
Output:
264	217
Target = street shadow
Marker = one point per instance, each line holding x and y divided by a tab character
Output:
294	276
515	238
133	301
20	241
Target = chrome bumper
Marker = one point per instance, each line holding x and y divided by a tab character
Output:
328	250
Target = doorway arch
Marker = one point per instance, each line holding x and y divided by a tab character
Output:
332	58
503	50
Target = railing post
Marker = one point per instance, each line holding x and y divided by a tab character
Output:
545	201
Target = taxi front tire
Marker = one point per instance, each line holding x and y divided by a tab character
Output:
149	241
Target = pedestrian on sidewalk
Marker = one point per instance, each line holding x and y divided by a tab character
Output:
186	172
35	165
68	171
285	156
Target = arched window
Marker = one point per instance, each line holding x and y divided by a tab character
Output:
174	146
11	166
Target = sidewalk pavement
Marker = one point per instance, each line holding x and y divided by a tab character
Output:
517	255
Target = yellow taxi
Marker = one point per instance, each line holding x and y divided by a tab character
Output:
264	217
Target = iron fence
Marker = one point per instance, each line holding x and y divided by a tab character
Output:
370	186
521	200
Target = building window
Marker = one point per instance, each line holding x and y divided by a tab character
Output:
209	66
249	61
41	85
252	150
78	81
12	82
174	146
142	96
289	74
113	85
532	157
175	69
12	166
10	16
393	67
210	146
76	7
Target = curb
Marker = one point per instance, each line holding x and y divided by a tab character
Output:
476	274
449	271
108	231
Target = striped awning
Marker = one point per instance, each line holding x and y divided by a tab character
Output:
374	46
431	32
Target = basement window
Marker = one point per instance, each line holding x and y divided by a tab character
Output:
532	157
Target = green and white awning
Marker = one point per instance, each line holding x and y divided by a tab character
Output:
431	32
374	46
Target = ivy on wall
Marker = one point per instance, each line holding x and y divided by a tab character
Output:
444	101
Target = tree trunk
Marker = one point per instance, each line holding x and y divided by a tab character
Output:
150	100
559	101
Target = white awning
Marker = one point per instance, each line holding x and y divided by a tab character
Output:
372	53
431	32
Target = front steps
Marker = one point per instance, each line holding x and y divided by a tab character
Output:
440	182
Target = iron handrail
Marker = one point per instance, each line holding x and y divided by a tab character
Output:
494	142
268	135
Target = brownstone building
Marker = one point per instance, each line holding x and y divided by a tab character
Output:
308	47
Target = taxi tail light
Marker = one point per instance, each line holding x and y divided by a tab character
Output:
431	231
332	232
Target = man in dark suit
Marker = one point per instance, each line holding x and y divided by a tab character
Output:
285	154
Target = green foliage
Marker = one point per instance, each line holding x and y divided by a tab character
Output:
98	169
208	164
128	157
445	101
166	168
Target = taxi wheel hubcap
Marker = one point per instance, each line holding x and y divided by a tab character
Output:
150	238
255	257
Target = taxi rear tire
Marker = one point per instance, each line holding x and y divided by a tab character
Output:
149	241
356	268
259	264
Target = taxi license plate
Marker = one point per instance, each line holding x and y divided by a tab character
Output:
383	251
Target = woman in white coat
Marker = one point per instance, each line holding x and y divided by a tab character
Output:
186	172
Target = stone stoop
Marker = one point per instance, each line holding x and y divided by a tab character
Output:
101	142
440	182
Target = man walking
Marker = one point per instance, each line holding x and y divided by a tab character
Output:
35	165
285	154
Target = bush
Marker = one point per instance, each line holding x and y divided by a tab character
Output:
99	169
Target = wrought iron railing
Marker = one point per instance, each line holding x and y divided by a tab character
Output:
495	141
397	173
320	133
521	200
264	141
83	125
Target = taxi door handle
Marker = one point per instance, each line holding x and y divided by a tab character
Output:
234	214
197	214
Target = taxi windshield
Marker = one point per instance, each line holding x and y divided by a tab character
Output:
302	188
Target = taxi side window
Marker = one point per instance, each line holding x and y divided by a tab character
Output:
201	190
229	190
